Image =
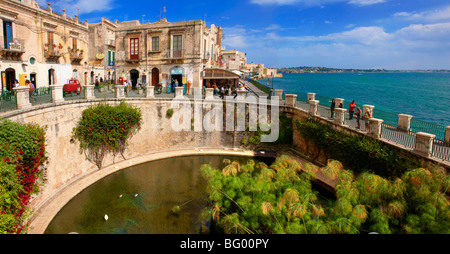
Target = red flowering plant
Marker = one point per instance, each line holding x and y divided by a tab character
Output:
22	160
105	129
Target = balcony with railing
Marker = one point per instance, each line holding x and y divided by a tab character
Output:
12	49
175	54
110	42
52	52
76	55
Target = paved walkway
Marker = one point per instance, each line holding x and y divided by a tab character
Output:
253	88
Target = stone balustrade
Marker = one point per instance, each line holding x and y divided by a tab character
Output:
279	93
120	91
424	144
423	141
209	93
291	99
311	96
179	91
149	92
89	92
340	116
375	128
447	134
57	93
404	122
313	105
22	97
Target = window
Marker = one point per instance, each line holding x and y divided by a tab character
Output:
204	48
177	45
7	33
134	48
155	43
50	39
111	55
74	44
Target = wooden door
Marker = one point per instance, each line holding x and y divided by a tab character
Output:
155	77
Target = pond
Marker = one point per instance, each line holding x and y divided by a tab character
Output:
139	199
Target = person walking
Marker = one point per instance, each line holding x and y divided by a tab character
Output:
31	91
351	109
333	105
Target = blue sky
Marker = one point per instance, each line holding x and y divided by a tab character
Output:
389	34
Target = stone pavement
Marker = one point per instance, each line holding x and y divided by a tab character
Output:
253	88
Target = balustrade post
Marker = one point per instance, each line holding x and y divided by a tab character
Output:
368	108
179	91
313	104
338	101
120	92
404	122
22	97
149	91
89	92
424	144
447	134
375	127
279	93
291	99
57	93
209	93
241	95
311	96
340	116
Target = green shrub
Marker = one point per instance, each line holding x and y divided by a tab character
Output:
358	153
22	154
10	190
169	112
255	198
260	86
105	129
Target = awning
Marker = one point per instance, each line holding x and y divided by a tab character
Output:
214	73
238	72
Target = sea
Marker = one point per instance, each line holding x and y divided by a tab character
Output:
424	95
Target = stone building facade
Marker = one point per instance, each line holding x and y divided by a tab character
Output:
234	60
102	50
161	52
40	45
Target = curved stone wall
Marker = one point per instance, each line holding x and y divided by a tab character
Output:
66	165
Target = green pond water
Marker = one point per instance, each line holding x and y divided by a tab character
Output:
139	199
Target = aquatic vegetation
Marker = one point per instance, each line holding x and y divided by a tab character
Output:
279	199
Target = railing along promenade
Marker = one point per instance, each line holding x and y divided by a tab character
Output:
429	140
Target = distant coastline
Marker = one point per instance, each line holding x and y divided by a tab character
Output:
334	70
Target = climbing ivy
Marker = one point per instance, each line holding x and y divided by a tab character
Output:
358	153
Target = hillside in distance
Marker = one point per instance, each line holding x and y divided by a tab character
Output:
306	69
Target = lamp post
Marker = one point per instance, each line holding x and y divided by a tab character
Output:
271	90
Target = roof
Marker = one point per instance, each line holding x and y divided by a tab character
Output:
215	73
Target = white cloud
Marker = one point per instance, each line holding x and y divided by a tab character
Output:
315	2
418	46
273	27
366	2
438	15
